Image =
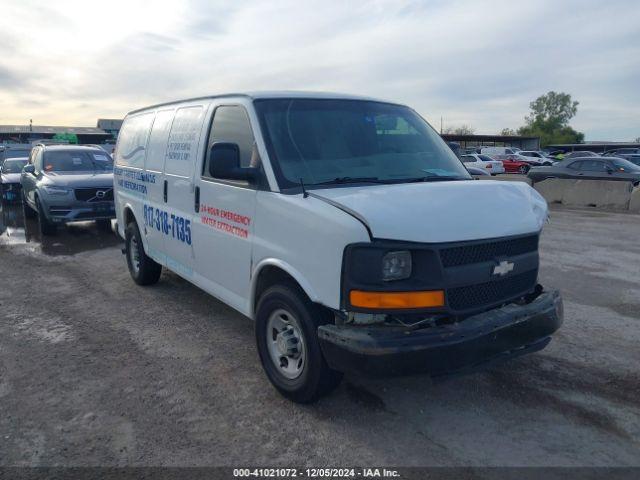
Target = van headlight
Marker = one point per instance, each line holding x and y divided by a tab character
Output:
396	265
53	190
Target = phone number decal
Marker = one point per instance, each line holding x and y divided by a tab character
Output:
170	224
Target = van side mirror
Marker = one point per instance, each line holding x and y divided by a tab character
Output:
224	163
29	168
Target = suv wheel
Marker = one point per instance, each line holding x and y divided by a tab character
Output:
287	340
27	211
44	225
143	269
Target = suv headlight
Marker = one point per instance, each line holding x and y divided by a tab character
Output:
53	190
396	265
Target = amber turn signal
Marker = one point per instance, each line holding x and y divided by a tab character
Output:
396	300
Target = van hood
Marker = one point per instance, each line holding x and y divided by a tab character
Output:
80	179
443	212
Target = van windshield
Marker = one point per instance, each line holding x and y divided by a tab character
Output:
323	142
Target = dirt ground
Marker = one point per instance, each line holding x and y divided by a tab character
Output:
95	370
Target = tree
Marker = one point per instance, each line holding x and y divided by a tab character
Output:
461	130
508	132
549	119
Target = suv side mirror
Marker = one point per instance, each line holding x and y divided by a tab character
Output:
29	168
224	163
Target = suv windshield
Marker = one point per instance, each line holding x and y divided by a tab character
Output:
14	166
352	141
76	161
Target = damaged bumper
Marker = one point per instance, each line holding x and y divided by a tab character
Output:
482	339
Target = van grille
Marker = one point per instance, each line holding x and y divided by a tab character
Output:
484	252
92	194
490	293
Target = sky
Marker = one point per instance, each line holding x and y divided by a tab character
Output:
479	63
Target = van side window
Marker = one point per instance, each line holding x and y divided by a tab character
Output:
132	140
231	124
184	139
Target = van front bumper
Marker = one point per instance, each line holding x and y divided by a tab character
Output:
470	344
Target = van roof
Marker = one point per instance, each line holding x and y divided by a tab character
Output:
270	94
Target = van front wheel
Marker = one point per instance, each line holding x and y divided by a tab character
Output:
143	269
286	335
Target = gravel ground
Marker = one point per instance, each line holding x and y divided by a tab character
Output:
95	370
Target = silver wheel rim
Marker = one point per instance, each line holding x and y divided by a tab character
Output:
286	344
134	254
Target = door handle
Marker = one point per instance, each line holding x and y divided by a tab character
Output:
197	200
166	188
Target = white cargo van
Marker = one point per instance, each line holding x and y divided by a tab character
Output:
344	226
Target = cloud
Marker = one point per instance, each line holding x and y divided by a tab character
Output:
478	63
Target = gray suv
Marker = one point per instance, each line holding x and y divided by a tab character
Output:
65	183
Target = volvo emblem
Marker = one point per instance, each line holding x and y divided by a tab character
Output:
503	268
100	193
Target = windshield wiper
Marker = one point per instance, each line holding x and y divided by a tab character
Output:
340	180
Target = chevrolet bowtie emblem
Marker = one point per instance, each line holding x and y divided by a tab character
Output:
503	268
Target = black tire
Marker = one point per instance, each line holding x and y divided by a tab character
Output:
104	225
27	211
143	269
524	169
44	225
316	378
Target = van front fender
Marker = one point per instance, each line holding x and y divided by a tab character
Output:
288	270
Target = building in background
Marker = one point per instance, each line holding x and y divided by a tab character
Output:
110	125
472	141
597	147
106	131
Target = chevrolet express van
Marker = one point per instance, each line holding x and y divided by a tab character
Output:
344	226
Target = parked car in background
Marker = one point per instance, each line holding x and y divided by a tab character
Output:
589	168
631	154
513	163
476	171
622	151
10	151
10	172
498	150
580	154
556	155
536	157
483	162
66	183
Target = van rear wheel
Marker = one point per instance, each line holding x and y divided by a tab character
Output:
143	269
287	340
